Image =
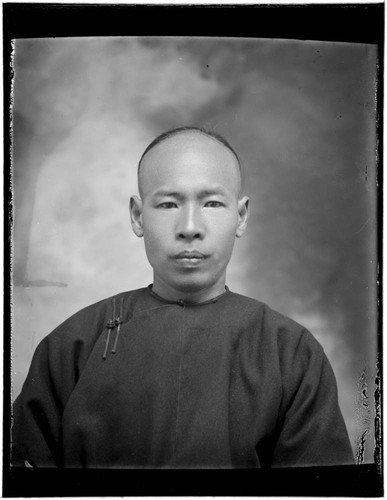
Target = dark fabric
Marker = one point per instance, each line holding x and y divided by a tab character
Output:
227	383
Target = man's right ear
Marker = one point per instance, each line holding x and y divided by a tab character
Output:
135	209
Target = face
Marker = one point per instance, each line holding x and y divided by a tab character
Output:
189	215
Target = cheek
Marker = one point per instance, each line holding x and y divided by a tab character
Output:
224	234
225	227
153	240
156	236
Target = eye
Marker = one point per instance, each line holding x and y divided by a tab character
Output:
213	204
167	205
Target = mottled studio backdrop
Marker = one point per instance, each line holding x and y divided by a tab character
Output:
302	115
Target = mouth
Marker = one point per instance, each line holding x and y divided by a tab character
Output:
192	257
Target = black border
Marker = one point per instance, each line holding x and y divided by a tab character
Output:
357	23
351	23
353	481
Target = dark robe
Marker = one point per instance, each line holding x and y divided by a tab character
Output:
225	383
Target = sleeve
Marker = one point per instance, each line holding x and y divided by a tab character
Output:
35	433
312	431
58	361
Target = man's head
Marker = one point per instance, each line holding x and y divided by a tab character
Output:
190	212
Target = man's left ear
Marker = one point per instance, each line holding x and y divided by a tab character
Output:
243	215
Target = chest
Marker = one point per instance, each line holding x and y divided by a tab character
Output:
176	392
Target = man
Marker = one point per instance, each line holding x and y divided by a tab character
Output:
184	373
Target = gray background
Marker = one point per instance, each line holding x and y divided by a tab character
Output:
302	116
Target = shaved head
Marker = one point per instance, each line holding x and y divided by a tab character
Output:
187	132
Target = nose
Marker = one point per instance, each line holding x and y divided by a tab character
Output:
190	224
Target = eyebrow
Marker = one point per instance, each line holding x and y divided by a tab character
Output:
214	191
167	193
204	193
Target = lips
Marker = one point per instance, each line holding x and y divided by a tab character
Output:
189	259
190	254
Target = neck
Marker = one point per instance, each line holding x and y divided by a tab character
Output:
192	296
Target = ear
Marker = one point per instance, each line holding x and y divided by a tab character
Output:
243	215
135	209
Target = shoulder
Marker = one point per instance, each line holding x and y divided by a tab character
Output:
281	332
259	311
89	322
286	347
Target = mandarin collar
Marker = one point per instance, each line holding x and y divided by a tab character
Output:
184	303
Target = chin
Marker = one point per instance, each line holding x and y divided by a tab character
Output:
193	284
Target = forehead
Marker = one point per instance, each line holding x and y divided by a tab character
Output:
189	160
